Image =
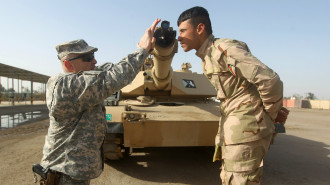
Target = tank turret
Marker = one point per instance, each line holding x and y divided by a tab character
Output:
157	78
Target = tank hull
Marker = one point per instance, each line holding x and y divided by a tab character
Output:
190	123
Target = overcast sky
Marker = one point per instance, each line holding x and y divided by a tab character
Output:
292	37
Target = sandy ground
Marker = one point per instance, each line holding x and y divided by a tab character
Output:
301	156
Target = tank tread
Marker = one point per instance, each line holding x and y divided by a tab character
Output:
112	147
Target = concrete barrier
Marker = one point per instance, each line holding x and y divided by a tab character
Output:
290	103
308	104
305	104
320	104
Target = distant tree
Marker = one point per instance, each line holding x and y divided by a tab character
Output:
2	89
297	96
25	89
11	90
310	96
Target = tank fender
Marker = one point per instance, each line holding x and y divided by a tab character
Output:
115	127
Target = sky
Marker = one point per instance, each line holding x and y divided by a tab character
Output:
290	36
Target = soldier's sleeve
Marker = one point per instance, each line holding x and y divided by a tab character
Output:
243	64
89	88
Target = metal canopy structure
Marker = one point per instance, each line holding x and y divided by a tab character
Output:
22	74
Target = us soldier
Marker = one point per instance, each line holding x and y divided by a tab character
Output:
73	146
251	97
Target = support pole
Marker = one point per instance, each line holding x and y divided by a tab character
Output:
31	89
18	95
21	86
8	88
0	95
13	93
45	92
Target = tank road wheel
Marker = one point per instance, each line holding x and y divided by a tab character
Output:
113	146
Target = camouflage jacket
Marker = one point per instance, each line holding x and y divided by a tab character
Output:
251	94
77	115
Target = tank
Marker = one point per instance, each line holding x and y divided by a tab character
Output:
161	107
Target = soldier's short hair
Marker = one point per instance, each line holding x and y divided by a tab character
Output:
196	15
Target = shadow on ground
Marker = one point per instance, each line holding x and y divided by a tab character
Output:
294	160
188	165
291	160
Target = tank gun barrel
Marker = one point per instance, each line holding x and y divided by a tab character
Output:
165	48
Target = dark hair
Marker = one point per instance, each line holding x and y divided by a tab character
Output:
196	15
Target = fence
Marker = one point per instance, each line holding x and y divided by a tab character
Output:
24	96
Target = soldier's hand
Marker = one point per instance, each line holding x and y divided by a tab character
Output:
147	40
217	153
282	115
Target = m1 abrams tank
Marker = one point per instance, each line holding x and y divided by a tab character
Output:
161	107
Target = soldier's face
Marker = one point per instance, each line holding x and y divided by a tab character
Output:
188	36
86	66
80	65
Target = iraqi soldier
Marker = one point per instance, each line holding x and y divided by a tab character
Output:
250	93
73	145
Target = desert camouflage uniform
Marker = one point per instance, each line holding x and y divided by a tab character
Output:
77	116
251	95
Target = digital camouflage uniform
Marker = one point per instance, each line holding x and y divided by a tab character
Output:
77	116
251	95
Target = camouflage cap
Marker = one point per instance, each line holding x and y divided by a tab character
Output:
76	47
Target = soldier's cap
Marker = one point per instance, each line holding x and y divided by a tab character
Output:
74	47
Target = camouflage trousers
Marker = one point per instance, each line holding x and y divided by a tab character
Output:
242	164
67	180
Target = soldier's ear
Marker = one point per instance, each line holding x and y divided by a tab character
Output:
200	28
68	65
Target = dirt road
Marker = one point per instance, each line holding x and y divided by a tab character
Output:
301	156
